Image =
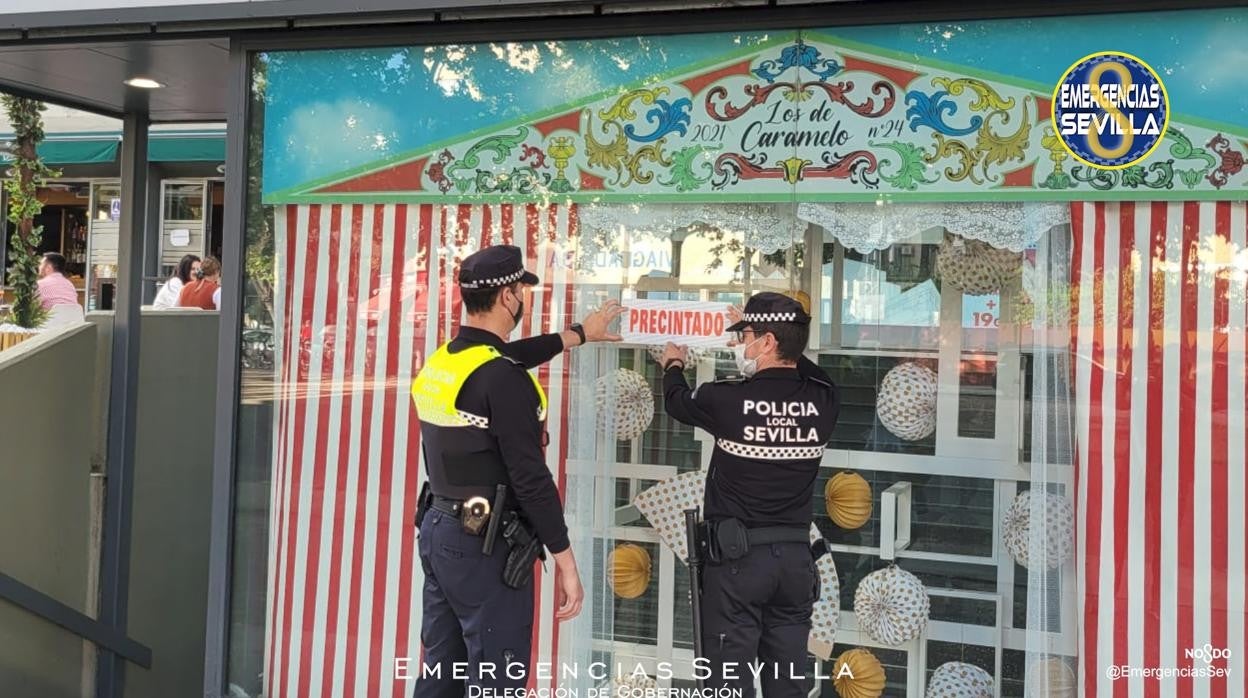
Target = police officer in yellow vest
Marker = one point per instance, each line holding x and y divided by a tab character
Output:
490	503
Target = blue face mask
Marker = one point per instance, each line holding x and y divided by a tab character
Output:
747	367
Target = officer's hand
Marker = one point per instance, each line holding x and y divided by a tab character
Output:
571	594
734	316
672	352
596	324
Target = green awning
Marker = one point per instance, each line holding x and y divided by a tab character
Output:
186	149
78	152
161	148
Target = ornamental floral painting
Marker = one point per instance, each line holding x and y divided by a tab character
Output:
796	115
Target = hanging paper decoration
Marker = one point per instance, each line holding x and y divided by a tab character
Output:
959	680
625	404
695	354
628	570
848	499
1059	523
892	605
1051	678
632	685
664	507
906	403
826	613
976	268
865	678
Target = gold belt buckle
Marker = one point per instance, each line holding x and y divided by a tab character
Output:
474	514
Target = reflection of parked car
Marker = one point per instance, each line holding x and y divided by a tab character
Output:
257	351
369	317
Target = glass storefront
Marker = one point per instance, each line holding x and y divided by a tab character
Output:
1009	331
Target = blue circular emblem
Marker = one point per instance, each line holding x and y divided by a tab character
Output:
1110	110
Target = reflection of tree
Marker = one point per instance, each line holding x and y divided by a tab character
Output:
259	252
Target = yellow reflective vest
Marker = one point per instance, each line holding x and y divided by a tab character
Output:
437	386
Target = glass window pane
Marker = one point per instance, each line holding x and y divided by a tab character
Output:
977	397
184	202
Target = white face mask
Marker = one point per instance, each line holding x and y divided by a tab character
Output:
747	367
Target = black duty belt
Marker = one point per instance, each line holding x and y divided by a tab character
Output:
729	539
778	534
447	505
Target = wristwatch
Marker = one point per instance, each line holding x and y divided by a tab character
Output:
579	330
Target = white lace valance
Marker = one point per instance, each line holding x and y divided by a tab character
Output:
876	226
863	227
764	227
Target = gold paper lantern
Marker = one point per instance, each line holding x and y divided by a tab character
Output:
865	677
848	499
628	571
801	297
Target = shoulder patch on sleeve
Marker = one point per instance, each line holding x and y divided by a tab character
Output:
730	380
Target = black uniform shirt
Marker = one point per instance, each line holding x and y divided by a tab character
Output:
770	432
503	392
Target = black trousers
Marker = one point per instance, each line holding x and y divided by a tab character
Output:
757	610
469	616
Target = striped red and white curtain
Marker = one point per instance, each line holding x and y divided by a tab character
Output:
1159	303
366	292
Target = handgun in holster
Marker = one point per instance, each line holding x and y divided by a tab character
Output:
524	549
423	503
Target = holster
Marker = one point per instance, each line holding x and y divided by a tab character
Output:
523	550
422	504
729	539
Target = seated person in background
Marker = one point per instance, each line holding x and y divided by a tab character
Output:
54	288
167	297
202	292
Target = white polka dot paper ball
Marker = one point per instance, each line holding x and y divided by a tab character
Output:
696	354
625	404
959	680
906	403
892	606
632	686
975	267
1051	678
1059	525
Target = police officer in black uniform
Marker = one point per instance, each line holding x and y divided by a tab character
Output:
771	425
482	420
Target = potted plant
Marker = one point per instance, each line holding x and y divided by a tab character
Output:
26	171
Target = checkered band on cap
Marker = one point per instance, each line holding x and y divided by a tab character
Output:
492	283
769	317
770	452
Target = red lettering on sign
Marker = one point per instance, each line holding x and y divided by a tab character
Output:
676	322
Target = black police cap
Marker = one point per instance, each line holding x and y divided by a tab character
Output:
493	267
771	307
